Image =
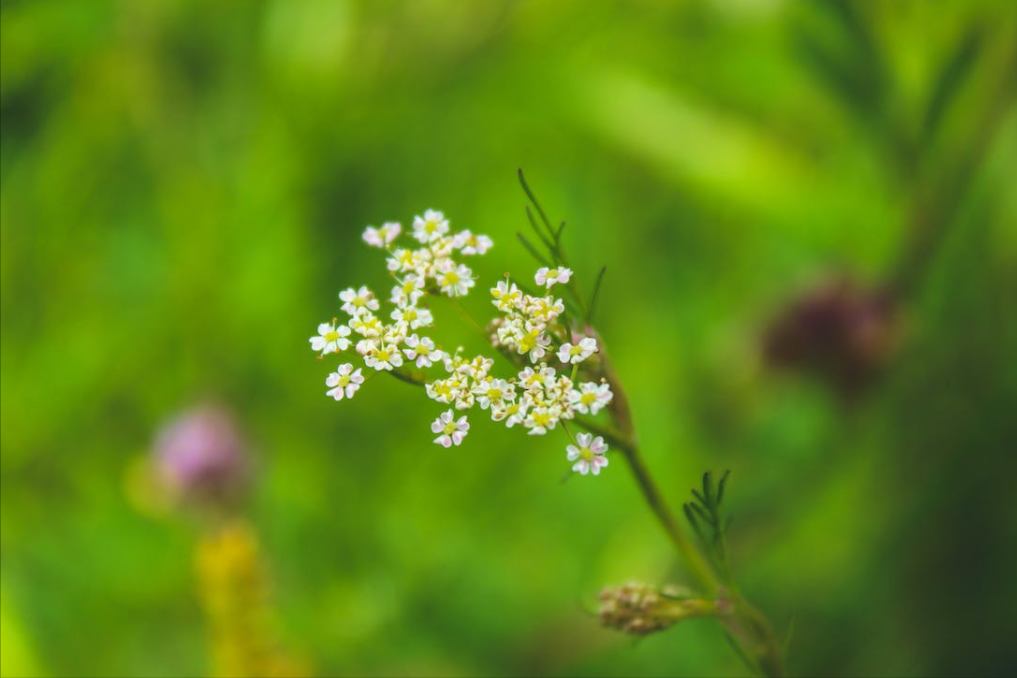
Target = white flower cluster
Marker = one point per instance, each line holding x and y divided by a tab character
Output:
432	261
537	398
385	346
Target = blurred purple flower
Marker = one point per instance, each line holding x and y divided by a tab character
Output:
201	457
838	332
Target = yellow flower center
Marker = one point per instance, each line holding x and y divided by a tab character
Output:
587	454
331	336
527	344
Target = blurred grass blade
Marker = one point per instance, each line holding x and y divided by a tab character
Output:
536	229
847	61
788	636
532	250
750	664
536	203
592	306
951	78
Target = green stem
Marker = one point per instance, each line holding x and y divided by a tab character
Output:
624	439
694	560
748	627
469	318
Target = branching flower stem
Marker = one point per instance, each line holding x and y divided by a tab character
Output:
529	327
623	438
748	629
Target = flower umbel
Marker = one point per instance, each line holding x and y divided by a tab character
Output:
530	329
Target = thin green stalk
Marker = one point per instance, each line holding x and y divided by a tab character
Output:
694	560
469	318
748	627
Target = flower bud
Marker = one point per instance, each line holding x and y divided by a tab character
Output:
640	609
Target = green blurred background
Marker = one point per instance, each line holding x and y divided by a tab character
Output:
183	189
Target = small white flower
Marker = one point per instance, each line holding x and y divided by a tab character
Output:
470	244
440	390
534	342
454	280
544	309
356	302
414	317
395	334
541	419
507	296
409	291
367	325
577	353
512	413
589	455
365	346
442	247
402	260
464	395
493	392
537	380
530	379
451	431
384	236
430	227
591	397
508	332
476	368
345	382
330	339
422	350
384	357
550	276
